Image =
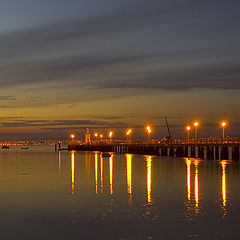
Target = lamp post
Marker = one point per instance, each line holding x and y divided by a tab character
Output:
96	135
223	127
72	136
101	136
128	133
148	132
196	124
188	130
110	135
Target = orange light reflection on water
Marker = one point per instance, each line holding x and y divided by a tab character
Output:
129	175
73	170
101	173
96	172
224	191
196	187
188	163
111	174
149	179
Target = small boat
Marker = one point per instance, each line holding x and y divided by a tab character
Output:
106	154
24	147
5	147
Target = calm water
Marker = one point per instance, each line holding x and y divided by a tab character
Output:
79	195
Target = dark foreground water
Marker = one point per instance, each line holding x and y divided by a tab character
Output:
79	195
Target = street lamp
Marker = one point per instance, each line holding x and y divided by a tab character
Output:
188	130
149	130
110	135
196	124
223	127
96	135
72	136
129	134
101	136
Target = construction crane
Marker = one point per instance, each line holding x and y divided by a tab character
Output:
169	132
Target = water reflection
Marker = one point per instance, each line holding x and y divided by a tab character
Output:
196	162
188	163
149	179
224	192
111	174
129	175
101	173
159	186
88	162
73	169
59	161
96	172
196	192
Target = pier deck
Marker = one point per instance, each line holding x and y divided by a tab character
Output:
216	149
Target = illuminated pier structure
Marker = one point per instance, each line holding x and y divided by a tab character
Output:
205	150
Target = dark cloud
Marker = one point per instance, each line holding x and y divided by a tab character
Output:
152	45
57	123
7	98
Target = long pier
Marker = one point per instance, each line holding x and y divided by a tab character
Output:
214	149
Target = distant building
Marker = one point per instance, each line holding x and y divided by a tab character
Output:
87	137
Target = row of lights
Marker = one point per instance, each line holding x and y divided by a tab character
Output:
196	124
149	131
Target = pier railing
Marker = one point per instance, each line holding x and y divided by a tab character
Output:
205	148
191	141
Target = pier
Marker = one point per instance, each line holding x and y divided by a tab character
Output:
206	148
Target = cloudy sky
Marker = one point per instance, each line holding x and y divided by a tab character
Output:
68	65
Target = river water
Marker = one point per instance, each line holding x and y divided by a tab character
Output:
80	195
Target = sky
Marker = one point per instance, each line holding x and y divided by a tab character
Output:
70	65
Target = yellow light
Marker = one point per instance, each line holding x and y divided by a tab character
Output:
101	136
188	163
111	174
223	124
196	124
129	130
72	136
149	179
101	173
196	162
224	192
73	170
129	175
110	134
96	173
96	134
128	133
149	130
188	128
